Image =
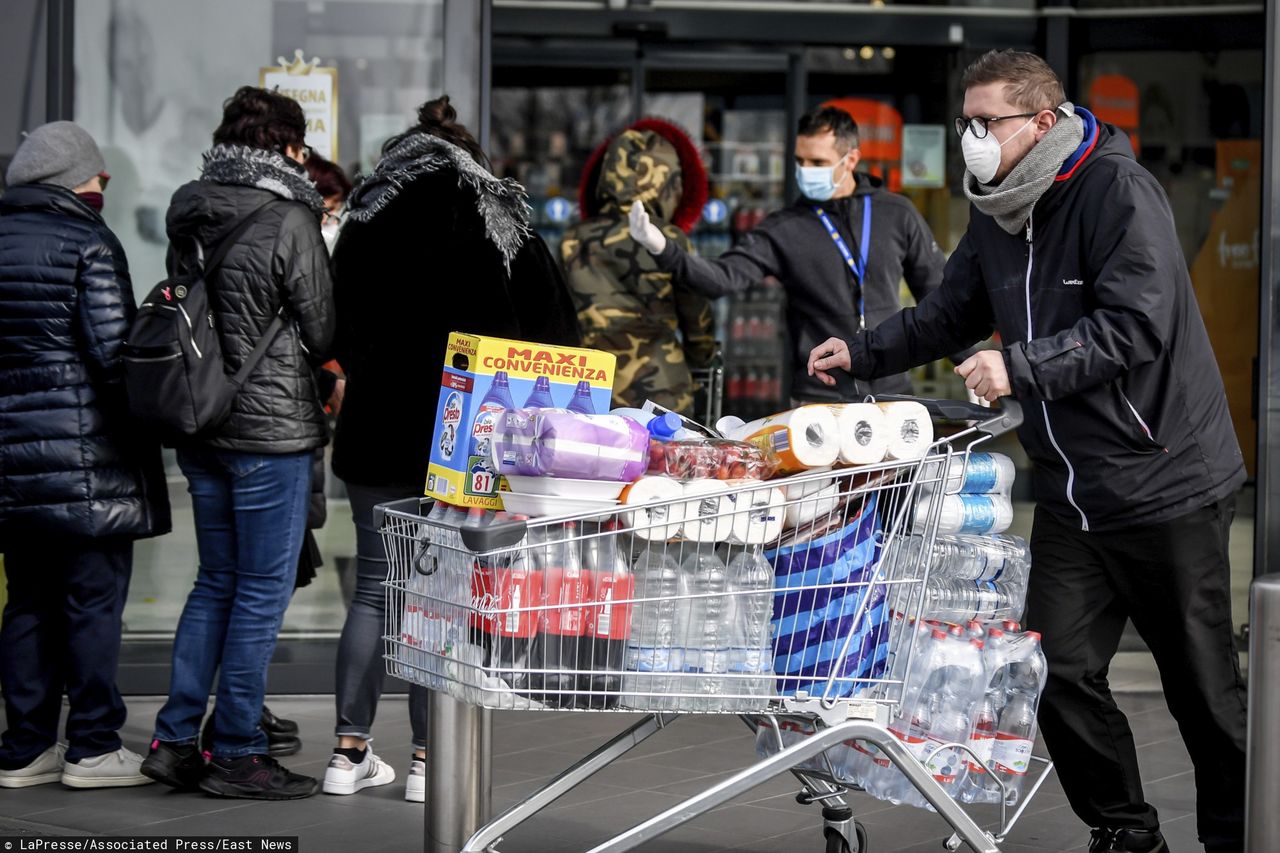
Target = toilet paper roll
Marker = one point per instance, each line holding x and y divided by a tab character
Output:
796	491
803	438
910	429
654	523
760	513
813	507
864	433
708	511
980	515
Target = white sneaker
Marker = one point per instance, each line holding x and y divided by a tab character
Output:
119	769
415	786
45	768
343	776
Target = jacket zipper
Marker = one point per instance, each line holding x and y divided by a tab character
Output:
1044	406
191	331
1146	430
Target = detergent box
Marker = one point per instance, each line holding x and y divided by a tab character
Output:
482	377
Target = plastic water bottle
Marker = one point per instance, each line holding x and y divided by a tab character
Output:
750	644
1026	664
956	600
652	654
608	623
540	397
970	557
703	622
951	724
581	402
1015	737
564	622
495	401
979	786
978	514
985	473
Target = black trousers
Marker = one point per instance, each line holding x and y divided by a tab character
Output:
61	631
1173	580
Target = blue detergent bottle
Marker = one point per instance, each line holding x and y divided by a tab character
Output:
581	402
494	403
540	398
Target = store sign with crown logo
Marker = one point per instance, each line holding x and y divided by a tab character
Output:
316	89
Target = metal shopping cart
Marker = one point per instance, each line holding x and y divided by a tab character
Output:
504	617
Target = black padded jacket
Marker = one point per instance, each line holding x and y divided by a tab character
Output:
279	263
72	462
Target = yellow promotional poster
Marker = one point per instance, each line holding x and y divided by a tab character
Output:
484	376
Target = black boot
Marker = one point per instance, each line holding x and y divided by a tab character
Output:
279	742
272	724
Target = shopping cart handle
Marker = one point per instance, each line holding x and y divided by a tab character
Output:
404	506
992	422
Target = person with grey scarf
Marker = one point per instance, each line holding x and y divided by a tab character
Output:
1071	254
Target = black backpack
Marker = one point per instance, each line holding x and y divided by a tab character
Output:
174	372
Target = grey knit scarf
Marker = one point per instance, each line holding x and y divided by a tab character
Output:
502	202
240	165
1010	202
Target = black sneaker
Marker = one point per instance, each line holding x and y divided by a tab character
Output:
273	725
255	777
179	766
1112	840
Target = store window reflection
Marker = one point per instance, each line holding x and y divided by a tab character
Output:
151	92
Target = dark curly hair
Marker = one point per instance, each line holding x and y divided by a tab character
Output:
440	119
328	176
262	119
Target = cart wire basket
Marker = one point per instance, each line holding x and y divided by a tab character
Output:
625	609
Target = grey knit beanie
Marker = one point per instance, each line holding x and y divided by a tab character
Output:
61	153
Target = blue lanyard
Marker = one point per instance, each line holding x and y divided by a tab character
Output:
857	267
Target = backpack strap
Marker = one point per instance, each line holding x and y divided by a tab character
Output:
259	350
239	231
277	323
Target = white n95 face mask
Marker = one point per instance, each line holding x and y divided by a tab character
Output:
982	156
817	182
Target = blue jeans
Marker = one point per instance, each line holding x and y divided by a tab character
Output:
250	513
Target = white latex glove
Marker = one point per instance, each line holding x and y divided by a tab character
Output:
645	232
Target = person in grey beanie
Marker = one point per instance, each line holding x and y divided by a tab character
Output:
77	483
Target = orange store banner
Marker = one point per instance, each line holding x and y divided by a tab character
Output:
1113	98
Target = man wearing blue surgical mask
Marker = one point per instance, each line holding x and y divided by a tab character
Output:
841	252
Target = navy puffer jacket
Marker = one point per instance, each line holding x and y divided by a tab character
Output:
71	461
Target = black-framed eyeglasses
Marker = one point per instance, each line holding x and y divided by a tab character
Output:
980	125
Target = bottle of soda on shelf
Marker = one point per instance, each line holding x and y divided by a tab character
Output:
653	653
608	621
564	592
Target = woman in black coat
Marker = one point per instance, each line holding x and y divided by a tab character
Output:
77	485
250	479
433	243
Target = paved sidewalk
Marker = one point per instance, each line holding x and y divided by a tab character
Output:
694	753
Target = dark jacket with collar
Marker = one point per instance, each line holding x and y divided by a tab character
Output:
1126	415
72	463
793	246
420	268
281	262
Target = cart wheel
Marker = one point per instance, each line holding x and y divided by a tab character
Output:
837	843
